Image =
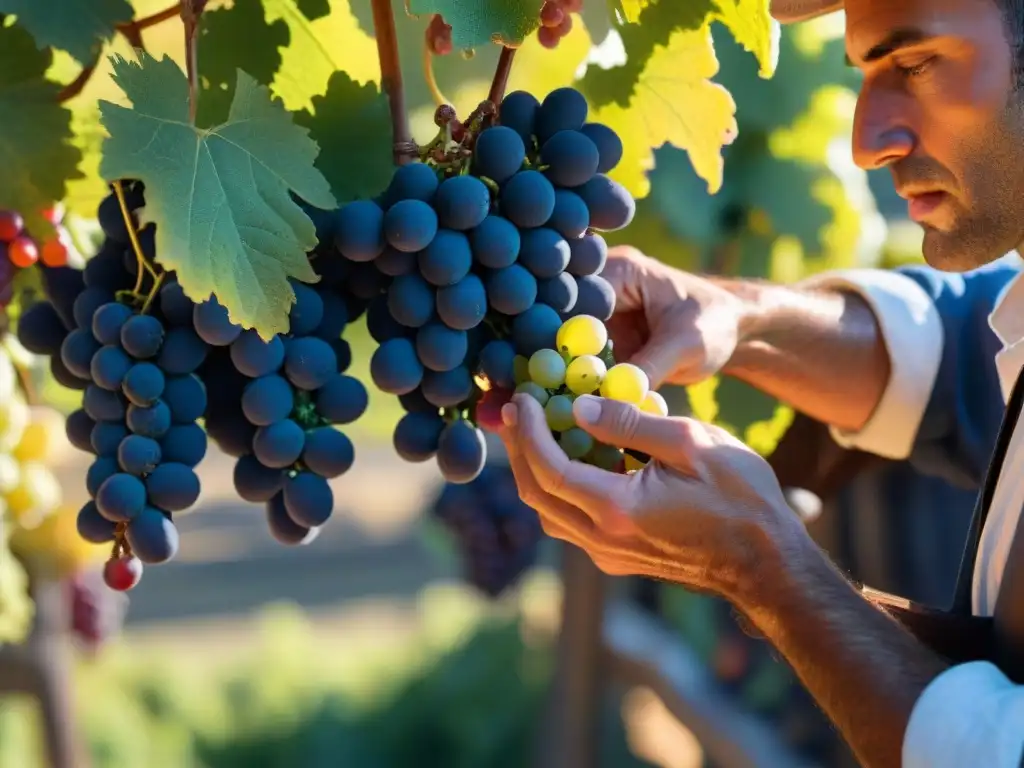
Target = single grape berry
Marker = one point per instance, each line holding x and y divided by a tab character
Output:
122	573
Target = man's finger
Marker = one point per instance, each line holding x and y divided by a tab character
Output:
674	353
624	425
621	273
598	493
559	518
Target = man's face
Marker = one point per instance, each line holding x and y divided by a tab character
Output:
939	108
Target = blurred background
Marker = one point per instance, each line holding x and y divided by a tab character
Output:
387	643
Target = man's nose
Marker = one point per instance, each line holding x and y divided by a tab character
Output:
882	128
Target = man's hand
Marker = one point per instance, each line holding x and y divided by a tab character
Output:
704	512
707	512
678	327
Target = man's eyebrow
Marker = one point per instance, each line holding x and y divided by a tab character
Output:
892	42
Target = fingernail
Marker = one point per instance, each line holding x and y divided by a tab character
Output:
508	414
587	409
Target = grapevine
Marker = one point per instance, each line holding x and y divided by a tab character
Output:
245	224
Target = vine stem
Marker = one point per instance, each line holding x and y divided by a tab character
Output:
191	11
391	79
501	73
428	75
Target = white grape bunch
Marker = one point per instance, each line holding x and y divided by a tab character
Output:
581	362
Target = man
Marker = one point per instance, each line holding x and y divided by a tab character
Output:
881	356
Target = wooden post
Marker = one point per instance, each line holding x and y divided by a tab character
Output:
571	726
42	668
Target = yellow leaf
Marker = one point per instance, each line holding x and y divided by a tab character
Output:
753	27
703	404
317	49
763	436
674	102
630	9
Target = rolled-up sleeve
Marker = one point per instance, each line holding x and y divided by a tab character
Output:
970	715
913	334
943	403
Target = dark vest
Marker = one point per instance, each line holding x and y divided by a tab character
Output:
808	458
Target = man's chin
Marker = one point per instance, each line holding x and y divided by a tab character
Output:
950	253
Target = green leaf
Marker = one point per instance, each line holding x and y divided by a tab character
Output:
741	405
752	26
352	125
236	38
35	154
628	10
314	9
219	197
79	27
683	200
797	212
479	22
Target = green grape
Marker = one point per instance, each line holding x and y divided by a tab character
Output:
585	374
654	403
626	383
547	368
634	464
520	369
606	457
536	391
558	412
582	335
576	443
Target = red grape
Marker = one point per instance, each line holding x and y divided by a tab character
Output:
10	226
572	6
55	252
488	410
565	27
122	573
548	37
22	252
55	214
551	14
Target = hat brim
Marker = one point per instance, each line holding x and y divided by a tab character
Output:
792	11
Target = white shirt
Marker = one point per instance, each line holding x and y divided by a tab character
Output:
971	715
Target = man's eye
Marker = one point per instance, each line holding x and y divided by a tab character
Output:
917	69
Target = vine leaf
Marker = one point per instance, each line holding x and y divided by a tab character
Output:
352	125
674	102
35	153
480	22
752	26
629	10
313	54
219	196
76	26
236	38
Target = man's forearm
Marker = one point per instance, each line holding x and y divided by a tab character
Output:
861	666
820	351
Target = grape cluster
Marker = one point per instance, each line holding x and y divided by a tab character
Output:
556	21
19	250
581	363
278	404
480	258
96	613
496	534
141	352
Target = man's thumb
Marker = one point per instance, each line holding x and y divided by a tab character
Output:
624	425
